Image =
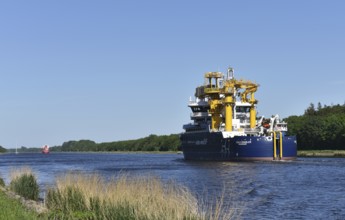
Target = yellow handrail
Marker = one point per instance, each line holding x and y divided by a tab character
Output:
274	145
281	145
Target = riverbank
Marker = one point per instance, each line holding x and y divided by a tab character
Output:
100	152
12	208
300	153
321	153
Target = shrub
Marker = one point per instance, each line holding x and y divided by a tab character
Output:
2	150
2	182
24	183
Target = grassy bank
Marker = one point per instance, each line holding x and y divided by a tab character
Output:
16	199
321	153
13	209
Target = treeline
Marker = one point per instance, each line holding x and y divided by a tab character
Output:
150	143
319	128
2	150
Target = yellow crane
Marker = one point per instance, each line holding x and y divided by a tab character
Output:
223	97
249	89
212	90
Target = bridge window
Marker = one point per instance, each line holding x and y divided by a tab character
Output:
243	109
199	109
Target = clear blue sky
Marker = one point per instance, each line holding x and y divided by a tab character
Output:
117	70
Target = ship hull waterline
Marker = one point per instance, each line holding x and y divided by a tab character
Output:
211	146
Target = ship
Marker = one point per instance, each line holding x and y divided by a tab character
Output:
225	125
45	149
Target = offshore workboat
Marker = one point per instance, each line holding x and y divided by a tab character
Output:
45	149
226	127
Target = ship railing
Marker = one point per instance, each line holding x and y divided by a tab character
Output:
252	130
198	103
280	129
212	90
275	140
199	114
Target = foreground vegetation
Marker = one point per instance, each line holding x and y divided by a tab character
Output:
90	197
81	196
319	128
13	209
24	183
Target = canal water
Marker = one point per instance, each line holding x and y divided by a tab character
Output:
308	188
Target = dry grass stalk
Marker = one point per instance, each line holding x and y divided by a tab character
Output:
148	195
20	171
140	197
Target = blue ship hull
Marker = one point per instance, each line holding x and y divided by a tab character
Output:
212	146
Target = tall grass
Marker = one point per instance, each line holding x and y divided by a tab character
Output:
2	182
16	172
24	183
91	197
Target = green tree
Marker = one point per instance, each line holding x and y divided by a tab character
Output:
2	150
81	145
321	128
149	143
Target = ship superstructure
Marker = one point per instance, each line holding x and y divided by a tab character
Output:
226	127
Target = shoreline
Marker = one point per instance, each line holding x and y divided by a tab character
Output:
300	153
321	153
104	152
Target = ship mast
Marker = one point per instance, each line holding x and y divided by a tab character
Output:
229	92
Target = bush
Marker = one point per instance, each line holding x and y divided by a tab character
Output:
2	150
24	183
2	182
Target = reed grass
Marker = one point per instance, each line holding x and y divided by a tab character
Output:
2	182
16	172
84	196
24	183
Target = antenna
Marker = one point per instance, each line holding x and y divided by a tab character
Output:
230	73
